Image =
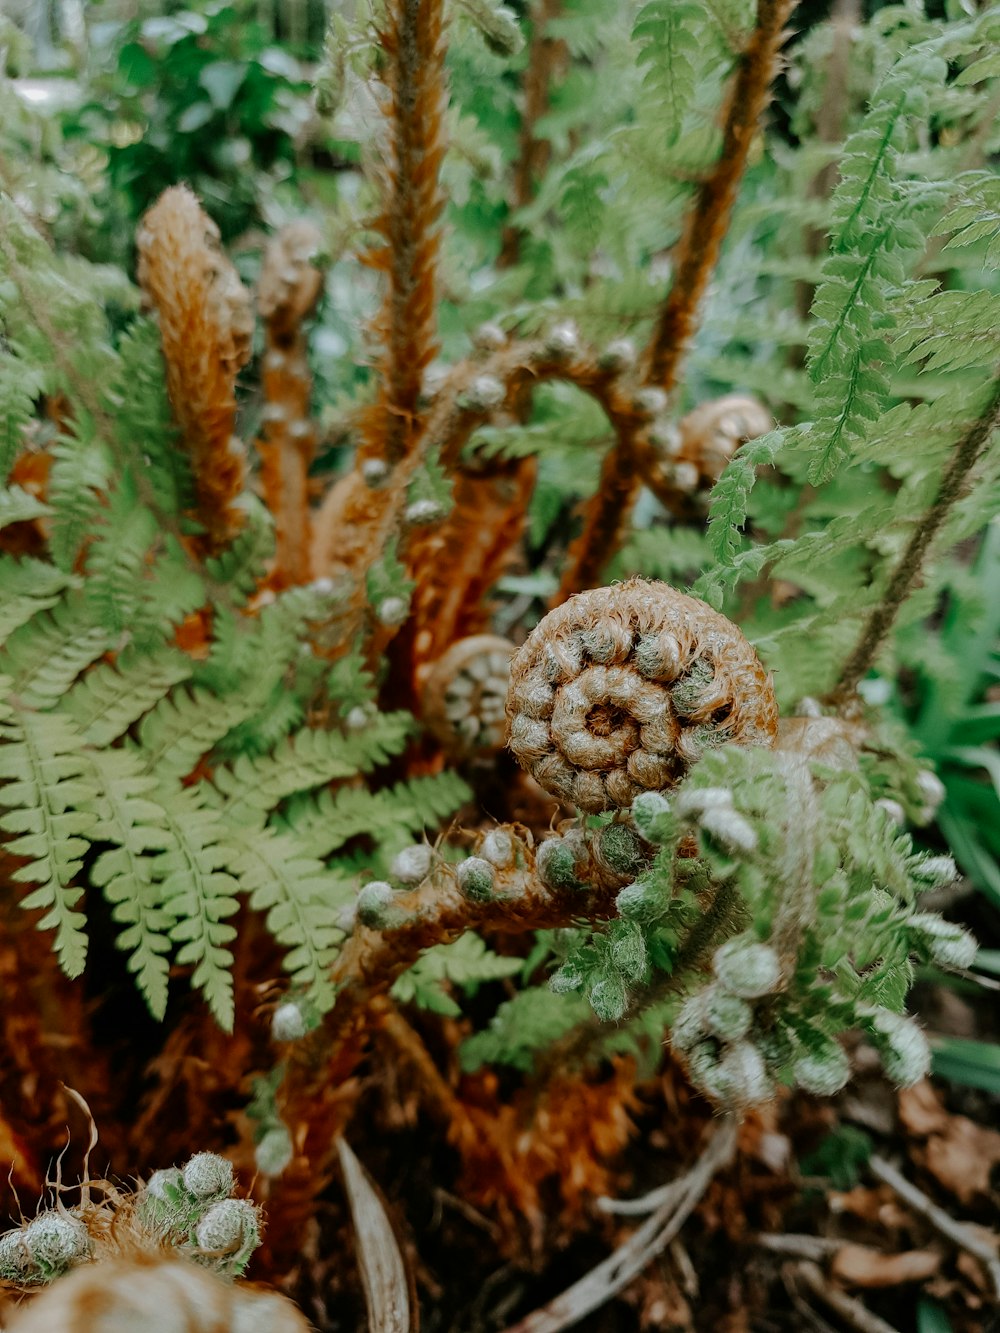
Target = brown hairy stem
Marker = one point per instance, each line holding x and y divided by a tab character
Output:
954	485
358	519
290	286
546	60
606	518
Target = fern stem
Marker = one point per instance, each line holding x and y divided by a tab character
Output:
413	39
546	56
953	486
607	516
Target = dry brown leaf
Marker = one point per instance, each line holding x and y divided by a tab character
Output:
963	1157
383	1272
921	1110
860	1266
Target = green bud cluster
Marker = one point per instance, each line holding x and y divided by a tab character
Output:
476	878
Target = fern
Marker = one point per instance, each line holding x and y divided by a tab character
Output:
19	387
30	586
466	964
252	787
184	726
126	816
18	506
522	1027
46	655
46	793
108	699
198	890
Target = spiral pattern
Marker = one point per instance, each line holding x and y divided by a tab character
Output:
621	689
463	695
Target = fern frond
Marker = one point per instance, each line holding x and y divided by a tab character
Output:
198	890
20	385
310	758
117	559
466	963
243	563
81	471
302	899
328	819
108	699
529	1022
29	586
127	817
184	725
18	505
47	782
45	656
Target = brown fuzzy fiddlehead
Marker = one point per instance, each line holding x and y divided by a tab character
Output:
463	696
206	327
621	689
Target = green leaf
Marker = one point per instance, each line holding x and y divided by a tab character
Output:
974	1064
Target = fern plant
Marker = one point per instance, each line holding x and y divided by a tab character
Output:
254	716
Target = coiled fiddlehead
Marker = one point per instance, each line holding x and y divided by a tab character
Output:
621	689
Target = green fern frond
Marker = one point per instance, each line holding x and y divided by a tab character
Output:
328	819
667	32
240	567
522	1026
44	657
302	899
47	783
117	559
253	787
137	826
198	890
184	726
18	506
81	472
466	963
20	385
29	587
109	698
143	421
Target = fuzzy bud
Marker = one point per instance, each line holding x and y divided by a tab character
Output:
498	848
483	394
476	878
498	25
412	864
739	1079
651	812
934	871
392	611
730	830
906	1056
208	1176
618	851
892	810
629	955
562	340
932	790
15	1258
693	802
609	1000
489	337
566	980
640	901
374	471
684	477
947	944
823	1073
56	1242
556	863
747	968
229	1226
665	438
274	1151
357	718
374	904
288	1022
421	512
726	1015
166	1185
690	1026
650	401
617	356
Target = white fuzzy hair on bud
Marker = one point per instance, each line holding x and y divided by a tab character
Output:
498	848
935	871
476	878
892	810
747	968
906	1056
412	864
56	1241
650	401
932	790
484	392
229	1225
619	355
288	1022
562	340
373	901
392	611
422	512
693	802
374	471
208	1176
739	1079
947	943
823	1073
274	1151
489	337
730	830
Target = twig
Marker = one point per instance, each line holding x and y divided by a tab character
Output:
708	220
908	571
608	515
814	1248
650	1239
957	1232
852	1311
